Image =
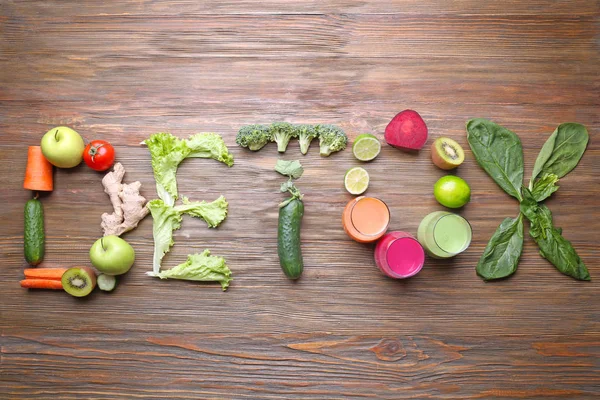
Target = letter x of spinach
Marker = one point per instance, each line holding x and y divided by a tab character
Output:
500	153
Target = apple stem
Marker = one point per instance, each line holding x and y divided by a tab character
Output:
55	134
102	244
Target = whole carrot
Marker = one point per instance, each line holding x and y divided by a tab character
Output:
38	174
44	273
41	284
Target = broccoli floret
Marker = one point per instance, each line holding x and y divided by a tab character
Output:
254	137
306	133
331	139
281	133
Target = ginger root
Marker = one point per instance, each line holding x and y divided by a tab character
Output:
129	206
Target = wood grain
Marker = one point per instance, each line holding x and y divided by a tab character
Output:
123	71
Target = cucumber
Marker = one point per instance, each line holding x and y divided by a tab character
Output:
34	240
288	238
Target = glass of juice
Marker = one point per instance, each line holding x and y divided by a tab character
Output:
444	234
399	255
365	219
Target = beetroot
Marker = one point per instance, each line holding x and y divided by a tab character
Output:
407	131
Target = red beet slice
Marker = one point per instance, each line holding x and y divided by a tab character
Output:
407	131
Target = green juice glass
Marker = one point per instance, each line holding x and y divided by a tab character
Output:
444	234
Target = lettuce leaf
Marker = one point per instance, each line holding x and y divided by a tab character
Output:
199	267
209	145
213	213
167	153
166	220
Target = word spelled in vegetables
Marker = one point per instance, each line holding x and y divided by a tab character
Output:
291	212
500	153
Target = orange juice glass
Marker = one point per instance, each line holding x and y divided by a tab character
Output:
366	219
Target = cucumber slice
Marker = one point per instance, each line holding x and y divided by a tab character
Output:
106	282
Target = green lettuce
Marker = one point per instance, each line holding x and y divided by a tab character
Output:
212	213
166	220
199	267
209	145
168	152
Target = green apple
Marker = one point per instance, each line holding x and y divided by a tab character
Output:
111	255
63	147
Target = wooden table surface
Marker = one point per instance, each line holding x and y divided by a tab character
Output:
123	70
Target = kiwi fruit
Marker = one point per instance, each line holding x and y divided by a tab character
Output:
79	281
106	282
446	153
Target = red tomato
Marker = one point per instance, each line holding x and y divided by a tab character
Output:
99	155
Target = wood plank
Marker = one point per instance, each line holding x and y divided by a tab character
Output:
121	71
272	36
314	366
57	8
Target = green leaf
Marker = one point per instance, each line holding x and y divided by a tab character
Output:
500	258
199	267
561	152
166	220
553	246
167	153
212	213
543	188
293	169
499	152
209	145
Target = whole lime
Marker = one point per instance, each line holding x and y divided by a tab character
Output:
452	191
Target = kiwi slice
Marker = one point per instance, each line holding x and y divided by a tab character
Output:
79	281
446	153
107	282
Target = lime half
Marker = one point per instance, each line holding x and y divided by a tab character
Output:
356	180
366	147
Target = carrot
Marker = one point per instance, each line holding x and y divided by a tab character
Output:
44	273
41	284
38	174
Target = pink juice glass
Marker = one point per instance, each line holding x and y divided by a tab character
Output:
399	255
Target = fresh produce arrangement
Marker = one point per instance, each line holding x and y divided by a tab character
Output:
398	254
255	137
500	153
167	152
64	147
291	212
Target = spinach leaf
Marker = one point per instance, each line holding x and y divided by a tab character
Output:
501	255
499	152
553	246
561	152
543	188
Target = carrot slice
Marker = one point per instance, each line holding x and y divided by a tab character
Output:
44	273
41	284
38	174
